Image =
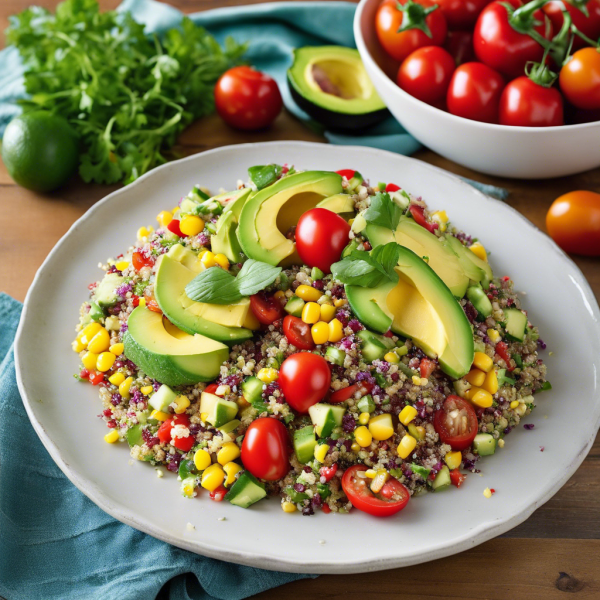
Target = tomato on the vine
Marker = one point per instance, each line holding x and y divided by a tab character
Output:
462	14
589	26
525	103
580	79
266	308
266	449
456	423
298	333
304	379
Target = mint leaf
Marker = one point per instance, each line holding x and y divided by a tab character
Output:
383	211
387	256
264	175
368	269
255	276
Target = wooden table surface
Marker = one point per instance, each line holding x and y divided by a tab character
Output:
556	551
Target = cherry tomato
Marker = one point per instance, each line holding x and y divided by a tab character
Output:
457	478
304	379
266	308
426	367
218	494
426	73
164	432
328	472
392	187
462	14
502	352
173	227
247	99
418	214
348	392
139	261
525	103
298	333
580	79
153	306
212	388
399	45
456	423
392	499
474	92
266	449
347	173
460	46
321	236
96	378
573	222
325	508
589	25
503	48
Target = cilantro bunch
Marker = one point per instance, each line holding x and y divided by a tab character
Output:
126	94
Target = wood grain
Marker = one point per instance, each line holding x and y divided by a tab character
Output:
555	552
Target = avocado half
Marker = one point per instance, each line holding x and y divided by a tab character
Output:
330	84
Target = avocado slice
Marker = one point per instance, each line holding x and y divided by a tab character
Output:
168	354
342	204
269	214
330	84
105	294
225	241
466	256
421	307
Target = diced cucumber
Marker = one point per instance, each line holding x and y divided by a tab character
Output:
294	306
420	471
294	495
349	248
373	347
246	491
503	379
252	388
484	444
516	323
442	479
480	301
366	404
106	292
356	181
230	426
479	346
304	443
326	418
316	273
335	355
412	429
161	399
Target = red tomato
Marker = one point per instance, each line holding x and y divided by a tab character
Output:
266	449
525	103
153	306
426	367
456	423
321	236
589	25
348	392
502	352
392	499
266	308
460	46
173	227
503	48
399	45
218	494
347	173
418	214
580	79
474	92
426	73
96	378
573	222
247	99
328	472
392	187
298	333
164	431
462	14
457	478
139	261
212	388
325	508
304	379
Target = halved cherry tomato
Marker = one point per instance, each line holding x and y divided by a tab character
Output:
456	423
418	214
573	222
266	308
347	173
173	227
525	103
298	333
392	187
266	449
457	478
325	508
328	472
502	351
580	79
96	378
392	499
212	388
348	392
139	261
426	367
462	14
218	494
164	431
321	236
589	25
304	379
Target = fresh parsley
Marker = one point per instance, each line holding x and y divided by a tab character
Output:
383	211
368	269
264	175
216	286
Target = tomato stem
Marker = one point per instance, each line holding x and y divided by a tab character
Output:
414	17
585	38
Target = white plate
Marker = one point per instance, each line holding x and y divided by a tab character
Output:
63	412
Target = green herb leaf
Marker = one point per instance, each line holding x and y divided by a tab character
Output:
383	211
368	269
264	175
546	386
255	276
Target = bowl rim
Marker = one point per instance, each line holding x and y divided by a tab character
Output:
432	110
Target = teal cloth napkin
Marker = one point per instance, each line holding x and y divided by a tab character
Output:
55	544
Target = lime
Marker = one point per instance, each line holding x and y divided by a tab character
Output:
40	150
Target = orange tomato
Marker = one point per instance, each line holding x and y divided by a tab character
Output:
573	222
580	79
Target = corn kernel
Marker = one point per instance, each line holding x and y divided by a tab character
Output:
100	342
105	361
406	446
142	302
407	414
420	432
117	378
402	351
191	225
212	477
494	335
78	345
487	492
228	453
453	460
336	330
475	377
491	382
188	488
231	469
182	402
288	507
311	312
339	302
355	447
320	333
147	390
379	481
500	443
363	436
89	360
381	427
468	394
122	265
482	398
416	380
424	381
514	404
268	375
124	387
321	452
175	210
222	261
521	409
112	436
202	459
208	259
479	251
483	361
159	415
363	419
327	312
144	232
117	349
89	332
441	215
391	357
223	390
279	295
164	217
308	293
203	416
370	473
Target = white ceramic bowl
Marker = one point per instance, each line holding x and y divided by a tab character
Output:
522	152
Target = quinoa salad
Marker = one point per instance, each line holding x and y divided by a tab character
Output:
312	336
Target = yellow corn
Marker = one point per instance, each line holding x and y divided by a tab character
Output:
363	419
122	265
320	333
500	443
77	345
402	351
355	447
117	378
407	414
89	360
487	492
321	452
202	459
336	330
475	377
494	335
381	427
420	432
391	357
117	349
406	446
491	382
142	302
288	507
363	436
89	332
164	217
159	415
514	404
268	375
482	398
370	473
187	489
208	259
100	342
453	460
327	312
231	470
105	361
479	251
308	293
182	403
174	210
483	361
416	380
222	261
379	480
144	232
212	477
280	295
223	390
191	225
339	302
124	387
203	416
311	312
468	394
228	453
146	390
112	436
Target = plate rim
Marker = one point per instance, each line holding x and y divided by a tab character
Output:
470	539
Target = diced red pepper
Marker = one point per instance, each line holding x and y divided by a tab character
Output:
457	478
212	389
164	431
347	173
96	378
153	306
140	261
392	187
348	392
328	472
84	373
173	227
426	367
325	508
502	351
418	214
218	494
